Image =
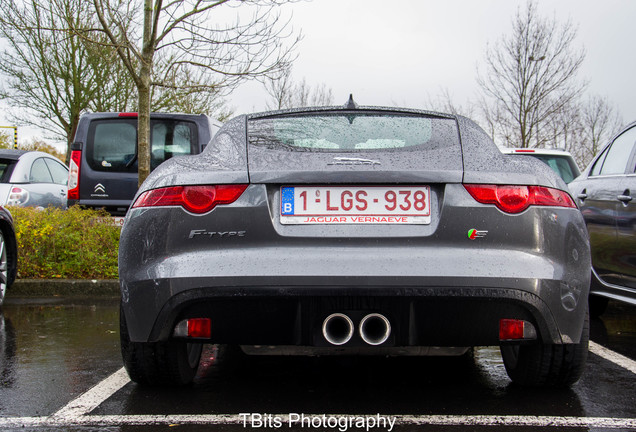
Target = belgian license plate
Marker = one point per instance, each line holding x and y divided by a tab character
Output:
355	205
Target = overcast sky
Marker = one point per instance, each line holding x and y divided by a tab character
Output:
406	52
403	53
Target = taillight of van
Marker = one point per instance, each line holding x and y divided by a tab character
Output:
73	175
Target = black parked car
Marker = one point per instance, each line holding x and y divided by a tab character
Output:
8	252
354	230
103	167
605	193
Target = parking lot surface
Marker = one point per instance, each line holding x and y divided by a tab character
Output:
60	369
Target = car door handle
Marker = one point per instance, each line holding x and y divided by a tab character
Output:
582	195
625	198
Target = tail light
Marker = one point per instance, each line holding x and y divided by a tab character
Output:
512	329
515	199
73	175
195	199
18	196
194	328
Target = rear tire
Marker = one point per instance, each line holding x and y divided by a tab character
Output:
170	363
5	271
547	365
598	305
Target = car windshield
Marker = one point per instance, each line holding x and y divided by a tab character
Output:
6	168
347	131
112	144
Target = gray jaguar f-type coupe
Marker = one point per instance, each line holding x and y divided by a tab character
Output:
356	231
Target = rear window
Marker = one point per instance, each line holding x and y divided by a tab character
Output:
351	132
6	169
562	165
112	144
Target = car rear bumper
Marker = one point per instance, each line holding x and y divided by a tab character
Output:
114	207
431	313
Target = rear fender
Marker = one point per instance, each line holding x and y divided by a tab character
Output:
224	161
485	164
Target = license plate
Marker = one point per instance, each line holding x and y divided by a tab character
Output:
355	205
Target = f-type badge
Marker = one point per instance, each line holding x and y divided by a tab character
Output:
216	234
473	234
353	161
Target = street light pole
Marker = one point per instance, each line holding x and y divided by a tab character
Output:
15	134
536	60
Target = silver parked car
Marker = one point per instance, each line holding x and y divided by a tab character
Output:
354	230
32	178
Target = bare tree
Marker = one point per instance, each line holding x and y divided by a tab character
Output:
306	95
184	94
445	103
285	93
39	145
529	77
280	88
186	35
599	120
177	98
563	128
583	128
494	122
50	74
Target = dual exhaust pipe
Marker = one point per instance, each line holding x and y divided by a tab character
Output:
338	329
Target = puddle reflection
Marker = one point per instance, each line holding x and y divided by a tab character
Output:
53	351
471	385
7	352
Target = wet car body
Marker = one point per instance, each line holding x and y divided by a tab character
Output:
32	179
604	192
262	279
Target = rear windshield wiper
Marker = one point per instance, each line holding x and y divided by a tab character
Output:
134	158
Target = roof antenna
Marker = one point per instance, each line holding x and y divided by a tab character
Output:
350	103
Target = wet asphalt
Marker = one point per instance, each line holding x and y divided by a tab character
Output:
53	350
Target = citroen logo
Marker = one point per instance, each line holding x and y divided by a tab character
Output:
353	161
99	188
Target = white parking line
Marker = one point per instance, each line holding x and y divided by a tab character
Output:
76	412
402	420
90	400
614	357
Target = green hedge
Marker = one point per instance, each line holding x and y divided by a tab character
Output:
69	244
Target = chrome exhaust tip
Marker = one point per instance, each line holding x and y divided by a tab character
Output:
337	329
375	329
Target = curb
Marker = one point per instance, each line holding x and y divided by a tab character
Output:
56	287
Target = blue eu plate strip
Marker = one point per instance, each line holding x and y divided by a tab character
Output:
287	201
